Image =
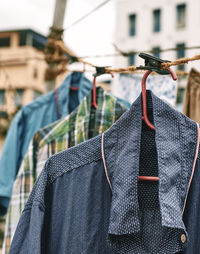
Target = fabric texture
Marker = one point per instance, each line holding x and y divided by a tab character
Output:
82	124
30	119
191	215
191	105
128	87
72	198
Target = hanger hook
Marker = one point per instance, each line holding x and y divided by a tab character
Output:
173	74
144	96
94	100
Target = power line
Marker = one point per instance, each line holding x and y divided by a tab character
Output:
87	14
100	56
126	54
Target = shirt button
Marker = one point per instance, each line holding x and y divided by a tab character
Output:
183	238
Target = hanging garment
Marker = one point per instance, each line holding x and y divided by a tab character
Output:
128	87
30	119
82	124
191	106
88	199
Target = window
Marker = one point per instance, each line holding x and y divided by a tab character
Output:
22	40
19	97
132	24
2	97
131	59
4	42
180	95
180	53
181	15
156	51
156	20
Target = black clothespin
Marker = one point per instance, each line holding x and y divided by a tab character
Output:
100	70
73	59
153	63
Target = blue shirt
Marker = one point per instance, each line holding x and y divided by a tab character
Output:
30	119
88	199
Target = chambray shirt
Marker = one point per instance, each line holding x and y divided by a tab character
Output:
88	199
30	119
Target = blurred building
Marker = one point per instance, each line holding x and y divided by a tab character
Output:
22	68
153	25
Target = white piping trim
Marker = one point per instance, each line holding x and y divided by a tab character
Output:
104	162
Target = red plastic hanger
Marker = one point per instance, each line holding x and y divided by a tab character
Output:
94	97
145	117
74	88
144	97
99	71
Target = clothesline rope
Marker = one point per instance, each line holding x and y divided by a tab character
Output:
178	73
129	69
180	61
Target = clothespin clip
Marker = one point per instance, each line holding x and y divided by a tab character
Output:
153	63
99	71
73	59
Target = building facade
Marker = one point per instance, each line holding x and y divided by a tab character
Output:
153	25
22	68
158	25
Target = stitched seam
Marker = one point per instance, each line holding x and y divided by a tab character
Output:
31	205
52	181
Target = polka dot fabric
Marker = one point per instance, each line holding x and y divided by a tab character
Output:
152	238
138	218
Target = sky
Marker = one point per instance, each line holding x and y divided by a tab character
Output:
93	36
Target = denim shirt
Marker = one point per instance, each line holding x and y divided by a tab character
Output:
88	198
30	119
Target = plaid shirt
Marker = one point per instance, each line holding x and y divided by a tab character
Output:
82	124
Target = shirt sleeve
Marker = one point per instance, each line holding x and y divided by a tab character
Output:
9	160
28	236
21	190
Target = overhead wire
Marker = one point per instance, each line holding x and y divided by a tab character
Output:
156	50
116	47
126	54
87	14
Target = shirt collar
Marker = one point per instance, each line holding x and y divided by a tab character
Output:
176	142
103	116
76	79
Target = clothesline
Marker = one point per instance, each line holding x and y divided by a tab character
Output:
129	69
178	73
